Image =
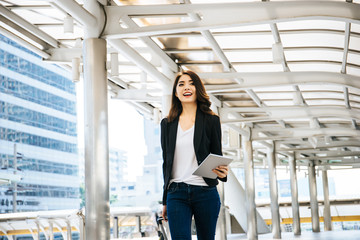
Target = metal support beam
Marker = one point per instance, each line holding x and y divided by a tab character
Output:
315	220
249	187
233	14
81	225
135	57
15	183
68	230
327	211
272	79
116	227
294	196
167	90
51	230
97	215
16	19
221	233
153	46
77	11
275	214
138	224
23	42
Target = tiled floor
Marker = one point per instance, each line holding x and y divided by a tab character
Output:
332	235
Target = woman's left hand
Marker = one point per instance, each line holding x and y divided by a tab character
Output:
221	171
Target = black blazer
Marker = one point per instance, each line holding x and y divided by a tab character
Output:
207	139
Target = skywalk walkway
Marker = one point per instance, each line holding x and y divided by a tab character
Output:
330	235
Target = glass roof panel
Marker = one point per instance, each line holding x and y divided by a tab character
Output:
49	15
355	27
245	41
313	55
314	66
274	89
324	102
276	95
353	58
312	24
252	28
270	67
313	40
354	42
279	103
322	87
249	56
353	71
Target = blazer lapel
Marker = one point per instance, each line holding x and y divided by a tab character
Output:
199	127
172	135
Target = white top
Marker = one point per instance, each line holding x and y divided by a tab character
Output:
185	160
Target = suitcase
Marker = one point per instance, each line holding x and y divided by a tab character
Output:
161	229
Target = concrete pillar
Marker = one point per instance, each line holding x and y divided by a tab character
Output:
249	187
294	196
97	210
313	198
275	214
327	212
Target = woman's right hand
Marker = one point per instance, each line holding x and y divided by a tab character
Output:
164	213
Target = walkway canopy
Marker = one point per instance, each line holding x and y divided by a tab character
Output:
284	74
288	70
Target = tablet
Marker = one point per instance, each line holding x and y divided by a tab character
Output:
211	161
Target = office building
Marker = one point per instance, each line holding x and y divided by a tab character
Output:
38	124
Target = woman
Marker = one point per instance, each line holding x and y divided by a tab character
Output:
189	133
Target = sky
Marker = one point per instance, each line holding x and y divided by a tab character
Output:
126	131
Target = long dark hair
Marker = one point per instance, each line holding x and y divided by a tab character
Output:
203	100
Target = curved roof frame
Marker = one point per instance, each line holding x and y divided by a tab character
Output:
287	69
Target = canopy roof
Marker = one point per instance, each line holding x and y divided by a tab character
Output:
285	72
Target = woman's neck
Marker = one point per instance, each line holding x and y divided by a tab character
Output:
189	110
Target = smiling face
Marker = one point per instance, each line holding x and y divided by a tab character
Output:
186	90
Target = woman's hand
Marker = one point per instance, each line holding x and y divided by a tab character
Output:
164	213
221	171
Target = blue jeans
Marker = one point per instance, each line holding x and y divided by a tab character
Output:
184	201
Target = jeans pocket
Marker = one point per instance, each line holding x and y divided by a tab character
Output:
172	189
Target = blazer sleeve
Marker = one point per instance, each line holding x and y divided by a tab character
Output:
216	147
163	143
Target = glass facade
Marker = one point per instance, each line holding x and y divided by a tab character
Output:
38	121
32	94
34	71
26	138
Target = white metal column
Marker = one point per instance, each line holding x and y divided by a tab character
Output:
167	89
116	227
313	198
97	211
15	183
294	196
275	214
221	233
327	211
249	187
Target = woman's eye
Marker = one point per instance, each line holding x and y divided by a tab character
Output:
181	84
